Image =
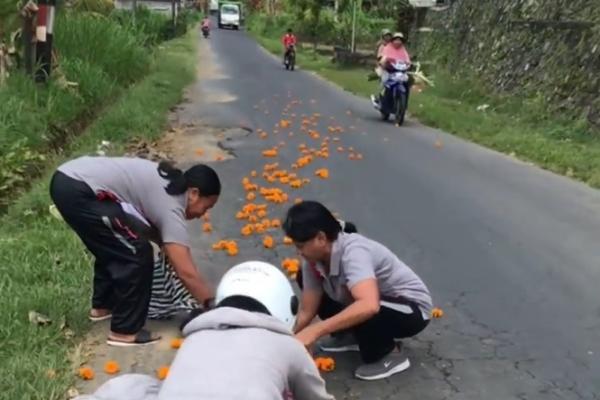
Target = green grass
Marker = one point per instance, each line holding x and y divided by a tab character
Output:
103	56
516	126
43	266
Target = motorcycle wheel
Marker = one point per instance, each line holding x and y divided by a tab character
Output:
293	63
400	108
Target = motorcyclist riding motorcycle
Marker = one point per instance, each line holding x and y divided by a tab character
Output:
393	52
205	26
289	43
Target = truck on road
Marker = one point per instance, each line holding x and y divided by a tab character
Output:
230	14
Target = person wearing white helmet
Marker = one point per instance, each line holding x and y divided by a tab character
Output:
242	349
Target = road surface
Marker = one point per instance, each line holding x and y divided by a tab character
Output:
511	253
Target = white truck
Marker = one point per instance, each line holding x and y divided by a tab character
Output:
213	7
230	15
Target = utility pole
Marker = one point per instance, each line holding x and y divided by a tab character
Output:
44	35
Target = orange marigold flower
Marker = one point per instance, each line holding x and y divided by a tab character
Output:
162	372
207	227
86	373
112	367
437	313
270	152
268	242
176	343
326	364
287	240
246	230
322	173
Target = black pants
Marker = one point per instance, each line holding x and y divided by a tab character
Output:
376	336
124	259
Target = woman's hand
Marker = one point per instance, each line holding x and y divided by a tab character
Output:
309	335
181	260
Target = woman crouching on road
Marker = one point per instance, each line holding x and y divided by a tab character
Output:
366	298
117	206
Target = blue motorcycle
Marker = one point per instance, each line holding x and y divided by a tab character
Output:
394	99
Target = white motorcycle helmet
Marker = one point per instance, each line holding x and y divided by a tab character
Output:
264	283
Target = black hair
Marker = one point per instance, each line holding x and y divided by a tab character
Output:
199	176
306	219
290	30
244	303
241	302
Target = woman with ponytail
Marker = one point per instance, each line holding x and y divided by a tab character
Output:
366	298
117	206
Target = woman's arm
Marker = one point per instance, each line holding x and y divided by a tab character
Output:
181	260
309	306
364	307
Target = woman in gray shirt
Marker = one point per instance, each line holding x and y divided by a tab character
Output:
364	295
104	200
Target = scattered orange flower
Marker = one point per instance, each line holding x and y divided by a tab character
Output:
232	248
298	200
253	174
112	367
284	123
250	196
199	151
291	265
268	242
220	245
288	241
162	372
176	343
322	173
437	313
270	152
86	373
207	227
276	223
247	230
325	364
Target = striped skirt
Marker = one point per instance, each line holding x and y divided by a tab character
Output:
169	295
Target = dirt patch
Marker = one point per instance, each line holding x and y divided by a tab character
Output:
189	143
94	353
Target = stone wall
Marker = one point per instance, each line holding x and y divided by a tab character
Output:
547	50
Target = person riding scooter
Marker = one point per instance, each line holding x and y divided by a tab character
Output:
289	43
205	26
393	52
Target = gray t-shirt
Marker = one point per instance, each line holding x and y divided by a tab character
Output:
355	258
135	181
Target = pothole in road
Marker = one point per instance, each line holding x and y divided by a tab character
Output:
191	143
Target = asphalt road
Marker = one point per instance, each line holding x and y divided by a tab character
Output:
510	252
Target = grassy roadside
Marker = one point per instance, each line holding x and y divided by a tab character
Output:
515	126
43	267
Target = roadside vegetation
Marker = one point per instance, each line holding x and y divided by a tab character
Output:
126	86
99	57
